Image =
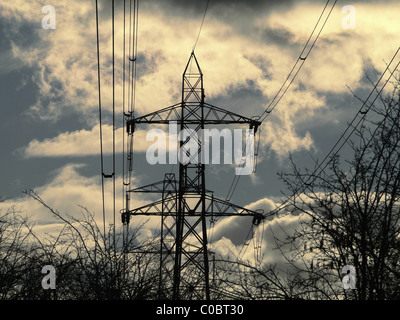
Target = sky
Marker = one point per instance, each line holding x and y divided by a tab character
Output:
49	120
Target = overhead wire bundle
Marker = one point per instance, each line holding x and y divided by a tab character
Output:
201	25
288	82
299	62
345	136
128	102
105	175
304	54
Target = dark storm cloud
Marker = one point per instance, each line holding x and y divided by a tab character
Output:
197	5
24	34
230	11
239	14
221	8
278	36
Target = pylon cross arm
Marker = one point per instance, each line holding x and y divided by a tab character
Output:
212	115
214	207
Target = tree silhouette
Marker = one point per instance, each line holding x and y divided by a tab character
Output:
350	215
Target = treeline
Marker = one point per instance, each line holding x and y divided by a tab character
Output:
87	266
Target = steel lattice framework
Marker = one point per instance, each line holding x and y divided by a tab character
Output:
186	203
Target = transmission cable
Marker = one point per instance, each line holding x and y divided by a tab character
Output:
113	117
300	58
306	184
201	26
236	179
245	245
131	98
100	119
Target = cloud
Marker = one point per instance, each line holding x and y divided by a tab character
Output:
65	192
82	143
261	244
154	142
66	188
65	58
67	75
62	59
340	56
235	228
14	31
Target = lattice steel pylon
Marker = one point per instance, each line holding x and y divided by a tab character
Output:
184	256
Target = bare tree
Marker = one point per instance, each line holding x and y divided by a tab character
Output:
351	215
12	253
88	265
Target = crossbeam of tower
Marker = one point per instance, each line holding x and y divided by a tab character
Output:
186	203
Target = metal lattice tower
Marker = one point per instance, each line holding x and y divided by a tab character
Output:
186	203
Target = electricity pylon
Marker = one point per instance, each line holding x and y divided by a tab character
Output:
186	203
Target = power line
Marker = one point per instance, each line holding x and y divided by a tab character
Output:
237	176
103	175
123	107
132	76
135	56
364	113
236	179
246	243
132	60
300	58
314	176
113	115
201	25
129	54
100	120
131	98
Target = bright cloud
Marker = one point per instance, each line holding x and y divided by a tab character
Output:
65	193
67	75
83	143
